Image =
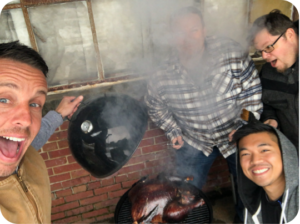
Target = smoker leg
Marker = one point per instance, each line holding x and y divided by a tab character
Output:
233	188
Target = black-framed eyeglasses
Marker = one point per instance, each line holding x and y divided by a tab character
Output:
269	48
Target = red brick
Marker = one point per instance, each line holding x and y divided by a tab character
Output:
108	181
157	162
95	213
60	153
96	179
132	168
137	152
79	210
74	182
128	184
56	162
68	220
66	168
146	172
50	172
116	194
145	142
78	189
58	201
167	154
134	175
65	125
63	193
71	159
107	189
44	155
58	216
94	199
106	203
59	178
112	208
55	186
79	173
161	139
53	197
50	146
79	196
121	178
58	136
154	132
65	207
140	159
63	144
86	221
104	217
94	185
153	148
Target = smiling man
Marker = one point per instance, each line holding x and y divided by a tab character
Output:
276	39
25	195
268	175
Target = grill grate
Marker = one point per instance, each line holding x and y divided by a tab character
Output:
202	214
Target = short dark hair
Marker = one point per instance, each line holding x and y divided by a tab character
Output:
249	129
185	11
21	53
275	22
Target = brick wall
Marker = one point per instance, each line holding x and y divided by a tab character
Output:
78	197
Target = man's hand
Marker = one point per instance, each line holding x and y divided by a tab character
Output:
231	135
177	142
68	106
271	122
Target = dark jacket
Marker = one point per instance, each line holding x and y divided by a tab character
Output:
281	100
250	193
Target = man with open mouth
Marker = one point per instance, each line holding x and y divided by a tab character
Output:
25	195
267	174
276	39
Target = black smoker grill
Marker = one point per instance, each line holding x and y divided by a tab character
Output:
202	214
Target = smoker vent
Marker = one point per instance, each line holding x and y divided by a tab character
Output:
202	214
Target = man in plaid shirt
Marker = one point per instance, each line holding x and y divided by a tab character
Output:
198	95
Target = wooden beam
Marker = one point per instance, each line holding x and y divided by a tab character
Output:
11	6
29	28
95	40
45	2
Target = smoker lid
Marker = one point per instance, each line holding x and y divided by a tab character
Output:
104	134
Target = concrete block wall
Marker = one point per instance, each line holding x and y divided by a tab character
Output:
78	197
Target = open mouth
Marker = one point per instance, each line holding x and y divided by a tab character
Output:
11	147
273	63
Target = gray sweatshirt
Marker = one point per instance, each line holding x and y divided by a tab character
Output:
250	193
50	122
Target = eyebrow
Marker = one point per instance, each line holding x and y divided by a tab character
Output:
10	85
14	86
260	145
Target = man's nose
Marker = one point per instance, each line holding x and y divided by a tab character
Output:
255	158
265	55
22	116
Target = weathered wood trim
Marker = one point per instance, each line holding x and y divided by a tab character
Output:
12	6
93	28
29	28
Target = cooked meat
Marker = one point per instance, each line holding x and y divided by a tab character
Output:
160	200
175	212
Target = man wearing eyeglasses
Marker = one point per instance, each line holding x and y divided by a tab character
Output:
275	37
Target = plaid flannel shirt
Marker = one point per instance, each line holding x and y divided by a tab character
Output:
205	106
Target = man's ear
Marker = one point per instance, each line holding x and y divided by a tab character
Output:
290	34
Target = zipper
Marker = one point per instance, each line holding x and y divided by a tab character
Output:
29	196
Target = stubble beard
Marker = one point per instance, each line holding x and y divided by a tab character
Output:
6	171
